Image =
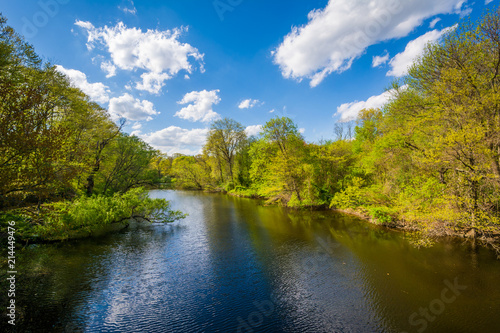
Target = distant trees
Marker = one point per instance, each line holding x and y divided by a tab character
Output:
190	172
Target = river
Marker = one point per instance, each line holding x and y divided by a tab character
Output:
235	265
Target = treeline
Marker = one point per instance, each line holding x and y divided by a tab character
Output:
56	144
428	160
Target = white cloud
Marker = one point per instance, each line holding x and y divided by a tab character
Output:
201	107
98	92
152	82
248	103
253	130
486	2
302	130
434	22
349	111
341	32
402	61
174	139
108	68
272	111
380	60
137	126
159	53
128	107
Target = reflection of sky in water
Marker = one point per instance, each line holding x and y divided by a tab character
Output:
144	280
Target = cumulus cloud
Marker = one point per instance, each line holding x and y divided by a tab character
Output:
248	103
159	53
402	61
152	82
253	130
380	60
98	92
200	106
174	139
341	32
128	107
349	111
108	68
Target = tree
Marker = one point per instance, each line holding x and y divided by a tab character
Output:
127	165
458	85
34	149
225	139
190	173
279	160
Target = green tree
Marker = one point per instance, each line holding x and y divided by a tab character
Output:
33	143
191	172
127	165
226	138
280	161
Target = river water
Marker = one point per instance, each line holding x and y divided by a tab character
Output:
235	265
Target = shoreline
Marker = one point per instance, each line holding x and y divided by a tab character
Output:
436	232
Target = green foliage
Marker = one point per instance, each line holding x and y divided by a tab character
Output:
86	215
190	172
241	191
352	197
382	215
226	139
127	165
229	186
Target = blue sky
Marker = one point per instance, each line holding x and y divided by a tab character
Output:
171	67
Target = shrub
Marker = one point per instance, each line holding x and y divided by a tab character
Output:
382	215
85	215
352	197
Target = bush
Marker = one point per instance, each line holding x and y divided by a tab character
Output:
382	215
352	197
85	215
229	187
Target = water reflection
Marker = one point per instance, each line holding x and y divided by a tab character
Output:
235	265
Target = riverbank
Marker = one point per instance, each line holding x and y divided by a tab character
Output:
425	233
